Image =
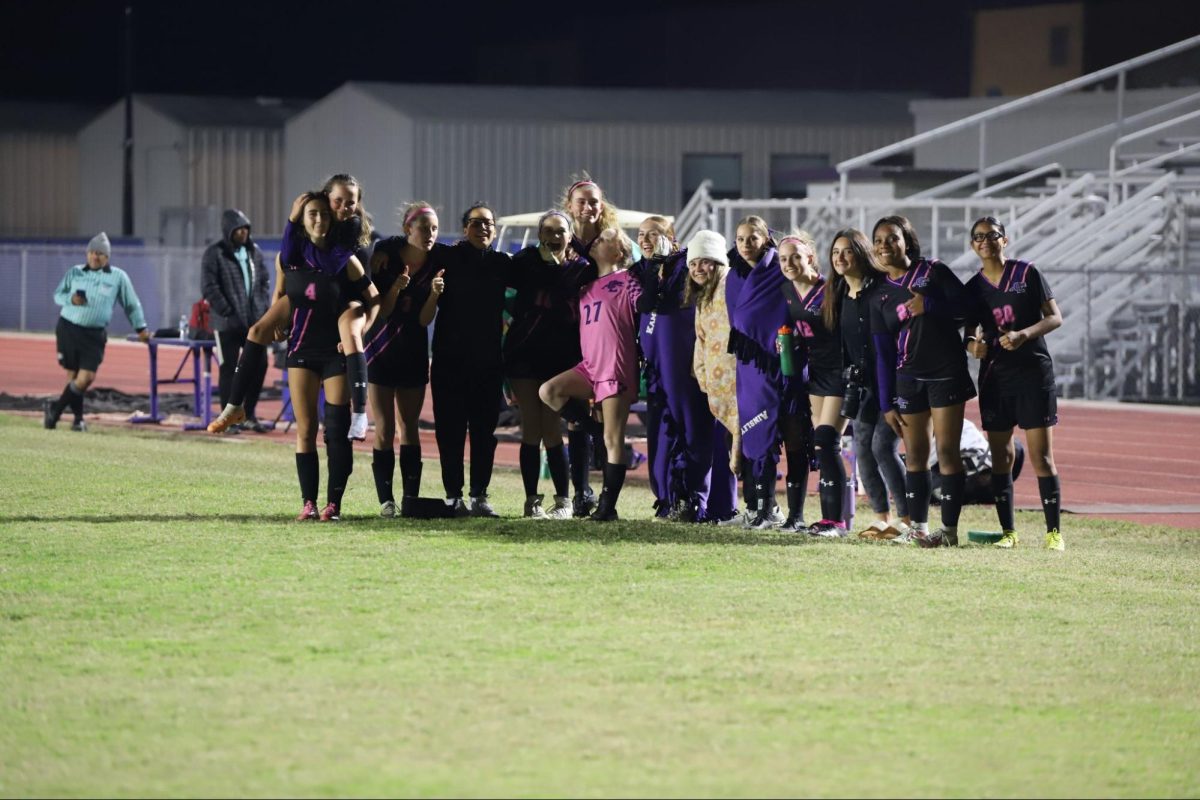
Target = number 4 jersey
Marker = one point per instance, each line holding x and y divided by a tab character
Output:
1013	304
608	330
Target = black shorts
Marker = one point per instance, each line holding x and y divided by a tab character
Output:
79	347
826	383
404	367
327	364
918	395
1033	408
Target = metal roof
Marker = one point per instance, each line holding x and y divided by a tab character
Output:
30	116
559	104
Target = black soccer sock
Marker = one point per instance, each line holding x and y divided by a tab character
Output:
917	486
74	399
764	487
339	451
356	371
578	446
1051	493
556	460
833	472
797	480
531	465
614	479
410	469
308	470
953	488
576	412
748	489
254	356
383	467
1002	491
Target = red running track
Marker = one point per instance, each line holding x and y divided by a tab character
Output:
1116	460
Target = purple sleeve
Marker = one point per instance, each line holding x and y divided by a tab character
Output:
289	246
885	369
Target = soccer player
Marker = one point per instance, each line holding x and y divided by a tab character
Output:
753	292
855	279
810	303
607	374
921	371
542	341
87	293
1014	310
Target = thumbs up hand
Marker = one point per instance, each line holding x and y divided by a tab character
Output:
403	279
439	283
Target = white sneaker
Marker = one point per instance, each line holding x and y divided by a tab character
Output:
562	508
480	507
388	509
358	427
533	507
742	520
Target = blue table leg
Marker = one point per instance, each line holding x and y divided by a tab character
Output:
153	416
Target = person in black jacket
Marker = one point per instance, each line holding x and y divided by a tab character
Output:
236	284
466	374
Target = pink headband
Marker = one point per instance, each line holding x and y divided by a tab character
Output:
416	212
795	239
580	184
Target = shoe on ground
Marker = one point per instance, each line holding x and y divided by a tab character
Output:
309	512
49	418
767	520
480	507
79	426
583	504
533	506
899	527
230	416
878	531
906	537
937	538
257	426
827	529
1008	541
331	513
734	520
358	427
562	508
794	524
604	513
388	509
685	510
457	507
1054	541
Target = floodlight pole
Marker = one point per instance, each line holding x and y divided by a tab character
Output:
127	188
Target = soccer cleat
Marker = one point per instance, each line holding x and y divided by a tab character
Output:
480	507
49	418
79	426
309	512
358	427
232	415
257	426
457	507
794	524
583	504
898	527
767	520
562	508
533	507
1008	541
685	510
388	509
906	537
1054	541
827	529
605	512
331	513
938	538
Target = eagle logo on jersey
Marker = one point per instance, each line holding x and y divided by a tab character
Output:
614	287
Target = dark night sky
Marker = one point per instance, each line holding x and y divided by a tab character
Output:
72	50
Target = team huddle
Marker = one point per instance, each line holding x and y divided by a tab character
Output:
744	355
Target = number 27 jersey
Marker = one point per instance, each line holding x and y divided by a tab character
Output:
608	327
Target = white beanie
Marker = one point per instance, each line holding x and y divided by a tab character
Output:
707	244
99	244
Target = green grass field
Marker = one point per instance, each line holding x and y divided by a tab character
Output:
165	629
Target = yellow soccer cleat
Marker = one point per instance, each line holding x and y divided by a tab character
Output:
1054	541
1008	541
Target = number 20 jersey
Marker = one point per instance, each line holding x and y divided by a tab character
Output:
1013	304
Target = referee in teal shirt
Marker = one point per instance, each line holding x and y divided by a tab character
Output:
87	294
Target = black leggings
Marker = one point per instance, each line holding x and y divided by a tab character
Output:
465	400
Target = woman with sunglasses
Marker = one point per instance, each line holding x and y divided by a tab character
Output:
543	341
921	371
1014	310
466	376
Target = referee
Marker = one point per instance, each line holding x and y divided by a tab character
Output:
87	293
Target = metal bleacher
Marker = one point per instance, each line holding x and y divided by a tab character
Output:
1119	243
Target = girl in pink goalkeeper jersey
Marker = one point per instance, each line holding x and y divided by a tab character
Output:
608	374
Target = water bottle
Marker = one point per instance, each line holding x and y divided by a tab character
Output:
183	326
784	341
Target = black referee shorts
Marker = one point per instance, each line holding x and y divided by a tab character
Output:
79	347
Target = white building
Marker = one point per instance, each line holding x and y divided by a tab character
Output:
517	147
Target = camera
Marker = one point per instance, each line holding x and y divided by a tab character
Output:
852	398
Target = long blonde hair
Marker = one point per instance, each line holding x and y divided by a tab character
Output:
351	182
608	212
700	296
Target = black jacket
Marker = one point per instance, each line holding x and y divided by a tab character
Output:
223	285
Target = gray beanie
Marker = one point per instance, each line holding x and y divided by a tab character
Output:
99	244
707	244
